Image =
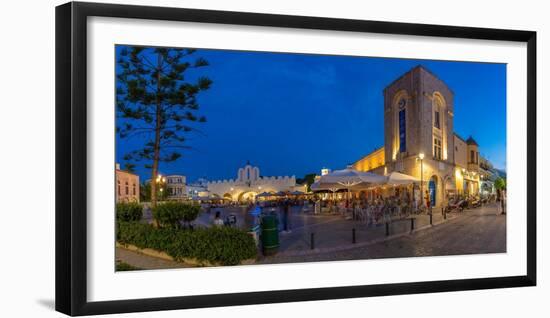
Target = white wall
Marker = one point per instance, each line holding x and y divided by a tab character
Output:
27	147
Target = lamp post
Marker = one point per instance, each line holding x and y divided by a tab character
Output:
160	181
421	157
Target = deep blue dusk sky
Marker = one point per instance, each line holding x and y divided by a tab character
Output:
292	114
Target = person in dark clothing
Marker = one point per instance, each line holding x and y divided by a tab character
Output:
500	201
286	212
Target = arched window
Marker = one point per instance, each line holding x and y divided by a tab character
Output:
134	186
402	130
127	190
439	119
438	107
399	110
118	186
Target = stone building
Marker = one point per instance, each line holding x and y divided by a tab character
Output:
419	136
127	185
250	183
197	189
175	187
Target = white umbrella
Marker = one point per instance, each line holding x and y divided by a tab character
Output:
397	178
349	177
332	187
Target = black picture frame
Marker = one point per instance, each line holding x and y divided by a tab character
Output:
71	157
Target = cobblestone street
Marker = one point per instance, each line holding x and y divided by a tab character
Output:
473	232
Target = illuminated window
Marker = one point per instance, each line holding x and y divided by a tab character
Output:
437	148
437	105
402	131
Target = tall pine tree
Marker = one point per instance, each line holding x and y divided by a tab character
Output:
156	102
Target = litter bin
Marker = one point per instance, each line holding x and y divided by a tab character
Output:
270	234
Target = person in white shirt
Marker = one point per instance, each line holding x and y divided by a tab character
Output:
218	221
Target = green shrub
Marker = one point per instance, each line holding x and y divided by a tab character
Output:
121	267
169	214
128	212
224	246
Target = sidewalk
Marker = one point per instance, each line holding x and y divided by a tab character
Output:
145	262
336	234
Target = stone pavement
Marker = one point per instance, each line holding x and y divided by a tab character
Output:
336	233
472	232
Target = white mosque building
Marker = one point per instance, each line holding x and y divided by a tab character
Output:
250	183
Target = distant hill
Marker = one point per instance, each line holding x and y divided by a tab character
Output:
501	173
494	173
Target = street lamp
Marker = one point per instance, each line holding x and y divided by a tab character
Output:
160	180
421	157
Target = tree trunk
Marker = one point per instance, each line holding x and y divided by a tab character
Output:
158	124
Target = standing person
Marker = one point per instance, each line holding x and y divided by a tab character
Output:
356	209
499	201
317	206
286	208
386	210
218	221
428	201
503	201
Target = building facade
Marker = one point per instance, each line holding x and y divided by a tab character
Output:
127	186
250	183
175	187
198	189
419	138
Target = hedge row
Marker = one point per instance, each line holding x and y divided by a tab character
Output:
169	214
127	212
224	245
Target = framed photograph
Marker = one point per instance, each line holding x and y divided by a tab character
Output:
209	158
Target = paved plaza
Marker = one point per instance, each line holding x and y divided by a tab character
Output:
475	231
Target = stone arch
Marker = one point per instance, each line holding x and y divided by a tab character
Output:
247	194
228	196
448	188
434	185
